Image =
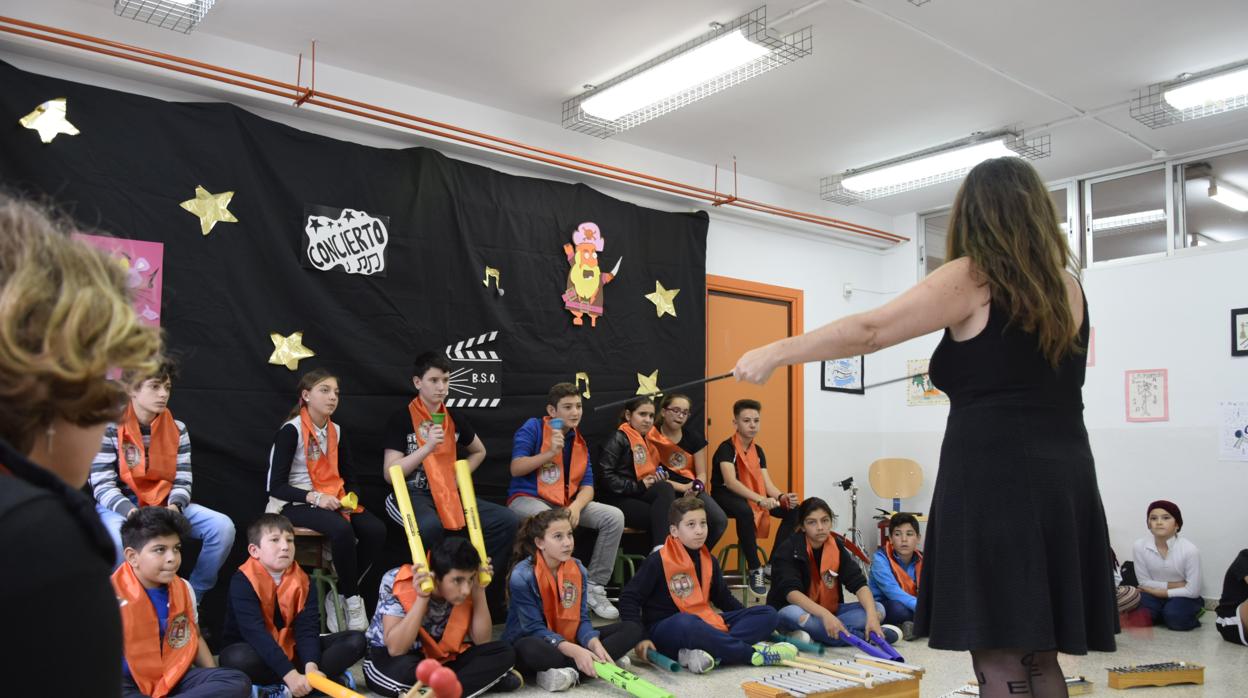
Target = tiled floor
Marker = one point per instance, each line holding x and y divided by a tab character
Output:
1226	674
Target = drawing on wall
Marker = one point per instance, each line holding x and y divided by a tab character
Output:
1233	431
1091	346
1148	396
919	389
844	375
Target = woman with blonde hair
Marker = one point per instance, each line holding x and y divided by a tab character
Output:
1015	448
65	321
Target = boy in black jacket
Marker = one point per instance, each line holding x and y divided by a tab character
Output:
272	618
672	593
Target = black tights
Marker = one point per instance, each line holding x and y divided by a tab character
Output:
1008	673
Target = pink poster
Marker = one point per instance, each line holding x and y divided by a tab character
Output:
143	262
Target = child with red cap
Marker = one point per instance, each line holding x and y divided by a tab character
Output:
1168	569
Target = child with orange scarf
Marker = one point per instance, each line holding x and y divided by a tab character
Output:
682	453
165	654
672	596
145	460
450	624
272	622
809	572
629	478
896	571
309	467
547	613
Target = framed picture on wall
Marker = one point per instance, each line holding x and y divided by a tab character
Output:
844	375
1148	395
1239	332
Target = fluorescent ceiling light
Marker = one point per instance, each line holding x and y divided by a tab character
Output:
948	162
1127	220
178	15
1227	195
702	64
1208	91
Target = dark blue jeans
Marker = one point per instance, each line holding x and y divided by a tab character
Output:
1177	612
687	631
896	612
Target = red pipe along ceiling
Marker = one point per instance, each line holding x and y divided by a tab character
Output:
309	95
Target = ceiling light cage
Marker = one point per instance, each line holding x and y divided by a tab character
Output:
1151	108
782	50
167	14
831	189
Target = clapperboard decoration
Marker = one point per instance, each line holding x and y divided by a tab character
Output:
476	374
352	240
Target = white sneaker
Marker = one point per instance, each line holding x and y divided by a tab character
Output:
556	680
799	635
332	602
599	604
696	661
624	663
357	619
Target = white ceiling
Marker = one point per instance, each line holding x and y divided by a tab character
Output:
873	88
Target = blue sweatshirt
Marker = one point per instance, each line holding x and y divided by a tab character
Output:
883	582
528	442
244	622
524	609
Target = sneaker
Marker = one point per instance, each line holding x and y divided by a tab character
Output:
270	692
767	571
907	630
773	653
357	619
599	604
511	681
799	636
624	663
556	680
756	581
332	602
892	633
696	661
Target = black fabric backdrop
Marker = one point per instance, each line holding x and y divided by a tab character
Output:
137	158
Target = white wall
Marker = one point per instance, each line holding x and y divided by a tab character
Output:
1168	313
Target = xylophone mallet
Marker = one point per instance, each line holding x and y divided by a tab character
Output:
867	682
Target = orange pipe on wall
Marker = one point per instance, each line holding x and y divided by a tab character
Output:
435	128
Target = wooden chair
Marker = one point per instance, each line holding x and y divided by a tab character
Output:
312	551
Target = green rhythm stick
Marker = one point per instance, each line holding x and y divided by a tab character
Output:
629	681
810	647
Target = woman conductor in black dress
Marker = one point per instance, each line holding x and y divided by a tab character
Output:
1017	564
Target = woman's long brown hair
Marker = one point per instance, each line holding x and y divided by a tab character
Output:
1004	221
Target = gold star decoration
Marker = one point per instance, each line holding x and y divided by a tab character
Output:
49	120
287	351
648	385
210	208
662	299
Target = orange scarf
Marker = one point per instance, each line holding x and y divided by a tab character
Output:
439	465
288	597
149	476
452	643
156	665
561	595
645	457
909	584
750	474
825	585
322	460
551	486
682	582
673	457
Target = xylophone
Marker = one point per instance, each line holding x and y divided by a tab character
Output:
861	677
1161	674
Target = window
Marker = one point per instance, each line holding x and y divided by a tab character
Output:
932	227
1212	198
1125	215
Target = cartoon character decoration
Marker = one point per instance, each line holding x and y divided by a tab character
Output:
585	278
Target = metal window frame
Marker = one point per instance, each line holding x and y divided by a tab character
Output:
1086	213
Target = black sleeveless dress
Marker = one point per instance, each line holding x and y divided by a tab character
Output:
1017	553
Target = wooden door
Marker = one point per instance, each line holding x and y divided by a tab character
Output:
741	315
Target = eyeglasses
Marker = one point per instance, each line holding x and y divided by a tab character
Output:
678	411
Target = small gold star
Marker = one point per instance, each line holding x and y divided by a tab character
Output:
49	120
648	385
662	299
287	351
210	208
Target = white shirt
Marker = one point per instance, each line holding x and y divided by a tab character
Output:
1181	564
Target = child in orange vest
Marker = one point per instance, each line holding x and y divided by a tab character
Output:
450	624
744	490
547	612
896	571
672	595
158	617
272	622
